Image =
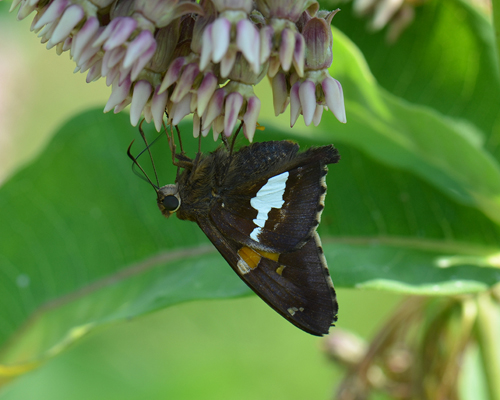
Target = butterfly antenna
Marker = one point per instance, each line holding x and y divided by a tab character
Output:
148	147
145	177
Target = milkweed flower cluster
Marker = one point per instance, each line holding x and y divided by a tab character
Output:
183	57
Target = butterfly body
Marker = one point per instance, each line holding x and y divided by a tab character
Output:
260	208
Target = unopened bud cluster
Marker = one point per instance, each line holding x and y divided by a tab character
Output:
182	57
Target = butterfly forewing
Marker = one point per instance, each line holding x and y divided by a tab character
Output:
278	212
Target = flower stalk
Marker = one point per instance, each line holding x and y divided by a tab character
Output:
488	333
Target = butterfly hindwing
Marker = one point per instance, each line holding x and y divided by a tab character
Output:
297	285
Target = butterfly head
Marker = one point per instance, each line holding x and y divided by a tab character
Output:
168	199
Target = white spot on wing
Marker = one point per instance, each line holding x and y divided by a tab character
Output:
269	196
243	267
255	233
293	310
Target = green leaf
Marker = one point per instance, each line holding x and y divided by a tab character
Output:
4	8
451	153
84	244
413	207
418	140
387	229
445	59
437	148
496	24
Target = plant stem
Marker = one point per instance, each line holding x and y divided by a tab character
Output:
488	338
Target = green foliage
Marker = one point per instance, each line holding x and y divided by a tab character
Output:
4	8
413	206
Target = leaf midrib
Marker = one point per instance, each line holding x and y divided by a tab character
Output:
443	246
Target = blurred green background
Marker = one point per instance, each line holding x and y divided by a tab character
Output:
399	157
217	349
227	349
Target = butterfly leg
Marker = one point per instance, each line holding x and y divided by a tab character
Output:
234	139
199	143
180	141
224	140
179	160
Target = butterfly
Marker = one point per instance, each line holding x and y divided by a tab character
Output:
260	207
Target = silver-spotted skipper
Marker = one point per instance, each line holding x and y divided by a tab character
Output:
260	207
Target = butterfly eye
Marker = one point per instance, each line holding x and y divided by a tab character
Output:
171	203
